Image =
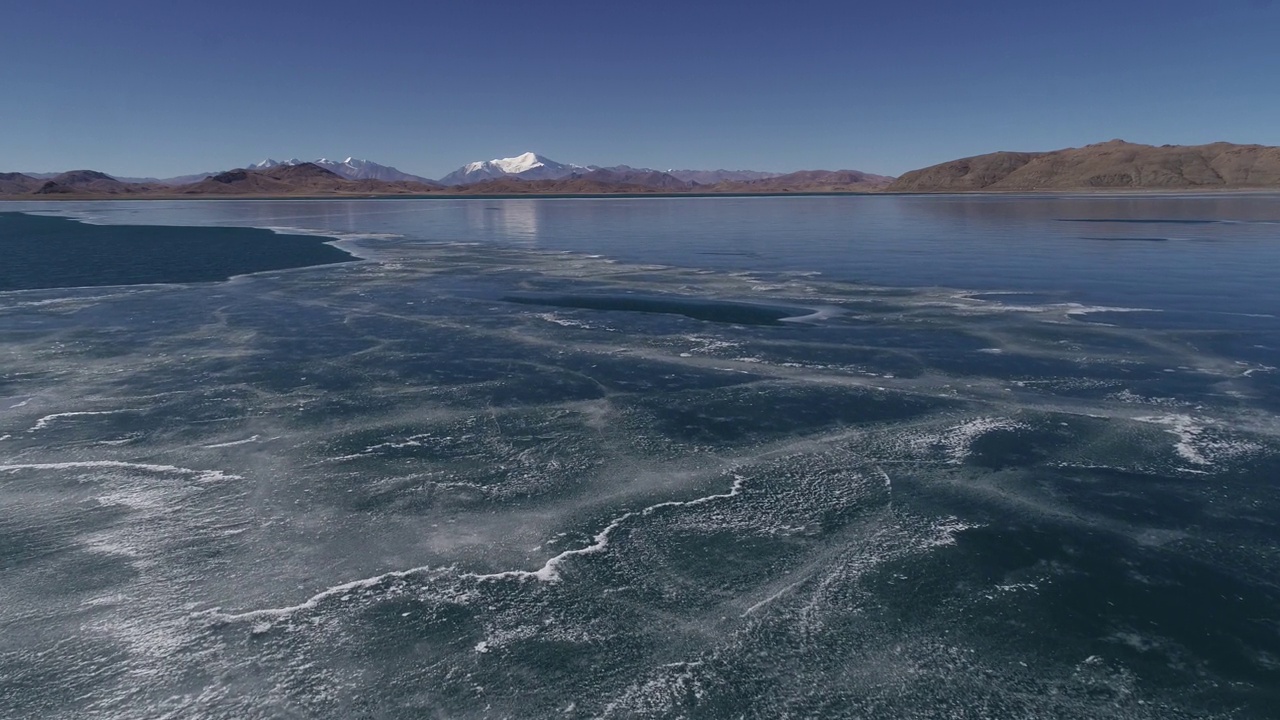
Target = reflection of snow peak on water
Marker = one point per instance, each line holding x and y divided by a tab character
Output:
514	218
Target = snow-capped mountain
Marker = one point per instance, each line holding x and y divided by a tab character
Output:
351	169
269	163
529	166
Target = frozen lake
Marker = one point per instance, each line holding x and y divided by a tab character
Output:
874	456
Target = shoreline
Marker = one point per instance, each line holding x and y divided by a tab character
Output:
421	196
1108	192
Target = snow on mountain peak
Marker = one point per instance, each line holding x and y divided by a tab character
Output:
352	168
528	166
520	163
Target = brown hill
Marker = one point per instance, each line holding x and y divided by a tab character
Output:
393	187
89	182
50	187
302	172
86	178
645	178
1116	164
17	183
310	178
237	182
304	179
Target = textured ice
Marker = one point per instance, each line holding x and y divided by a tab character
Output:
377	490
1198	444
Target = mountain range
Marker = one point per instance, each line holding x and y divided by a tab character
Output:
529	166
532	166
1103	166
528	173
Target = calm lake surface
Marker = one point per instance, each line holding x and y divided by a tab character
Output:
869	457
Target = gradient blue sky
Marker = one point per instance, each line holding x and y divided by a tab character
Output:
164	88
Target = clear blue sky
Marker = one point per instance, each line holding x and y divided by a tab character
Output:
168	87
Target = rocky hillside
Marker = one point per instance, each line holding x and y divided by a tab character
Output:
1111	165
302	179
13	183
89	182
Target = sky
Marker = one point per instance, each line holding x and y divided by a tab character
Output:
163	88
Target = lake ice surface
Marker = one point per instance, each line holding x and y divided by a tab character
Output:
1005	470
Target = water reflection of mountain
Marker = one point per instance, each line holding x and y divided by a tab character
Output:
512	219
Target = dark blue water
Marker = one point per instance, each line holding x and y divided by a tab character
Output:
47	252
735	457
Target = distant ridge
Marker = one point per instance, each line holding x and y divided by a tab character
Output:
711	177
1113	165
531	166
811	181
1110	165
699	177
525	174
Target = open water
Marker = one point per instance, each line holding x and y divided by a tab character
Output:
864	457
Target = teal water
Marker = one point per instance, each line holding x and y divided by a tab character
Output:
733	457
45	252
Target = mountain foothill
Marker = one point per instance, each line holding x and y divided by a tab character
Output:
1114	165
